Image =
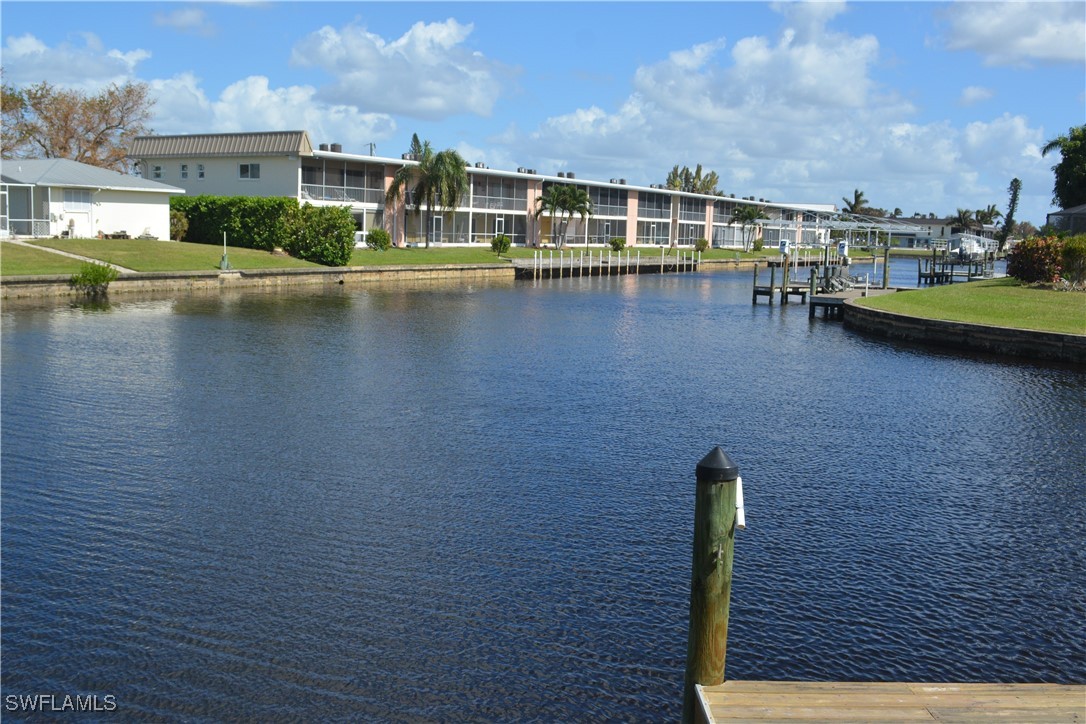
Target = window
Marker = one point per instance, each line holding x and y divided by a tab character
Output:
200	171
184	170
77	200
493	192
249	171
156	172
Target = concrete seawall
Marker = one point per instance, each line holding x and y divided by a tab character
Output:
57	285
960	335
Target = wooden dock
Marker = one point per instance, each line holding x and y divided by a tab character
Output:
761	701
786	289
833	304
549	265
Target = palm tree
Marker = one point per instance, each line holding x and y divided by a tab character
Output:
438	181
562	201
747	217
964	220
988	216
858	203
693	181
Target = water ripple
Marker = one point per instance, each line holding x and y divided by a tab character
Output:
473	503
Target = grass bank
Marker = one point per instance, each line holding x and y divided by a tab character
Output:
172	256
166	256
22	261
998	302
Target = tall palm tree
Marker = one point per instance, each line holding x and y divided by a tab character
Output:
747	216
562	201
857	204
437	183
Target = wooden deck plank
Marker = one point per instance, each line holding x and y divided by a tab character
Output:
893	701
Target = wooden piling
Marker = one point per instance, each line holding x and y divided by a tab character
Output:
886	266
711	574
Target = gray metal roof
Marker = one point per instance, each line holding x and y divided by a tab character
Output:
72	174
270	143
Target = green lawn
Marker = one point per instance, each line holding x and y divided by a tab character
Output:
1001	302
145	255
16	260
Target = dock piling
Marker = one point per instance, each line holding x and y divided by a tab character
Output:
711	574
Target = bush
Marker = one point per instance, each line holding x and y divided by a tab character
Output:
1036	260
93	279
179	224
1073	259
500	244
701	245
378	240
249	222
322	234
617	243
759	244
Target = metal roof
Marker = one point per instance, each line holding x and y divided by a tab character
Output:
72	174
265	143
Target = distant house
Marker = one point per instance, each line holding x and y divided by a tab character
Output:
943	233
60	197
1072	220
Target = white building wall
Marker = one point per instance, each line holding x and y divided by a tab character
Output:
134	212
279	175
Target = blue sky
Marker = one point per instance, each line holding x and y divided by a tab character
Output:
924	106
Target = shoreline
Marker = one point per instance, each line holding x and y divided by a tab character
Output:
56	285
1031	344
985	338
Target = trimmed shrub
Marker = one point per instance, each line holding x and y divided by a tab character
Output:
759	244
1036	260
701	245
617	243
500	244
179	224
378	240
249	222
93	279
1073	259
322	234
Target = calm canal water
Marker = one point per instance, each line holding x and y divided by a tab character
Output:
474	502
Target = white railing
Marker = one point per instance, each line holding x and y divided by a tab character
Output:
35	228
349	194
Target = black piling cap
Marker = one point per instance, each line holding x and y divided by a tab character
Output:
717	466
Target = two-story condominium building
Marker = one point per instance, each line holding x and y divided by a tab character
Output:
285	163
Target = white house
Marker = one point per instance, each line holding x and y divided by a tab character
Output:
60	197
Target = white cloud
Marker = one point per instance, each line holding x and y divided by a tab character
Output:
971	95
788	117
1019	33
427	73
186	20
252	104
27	60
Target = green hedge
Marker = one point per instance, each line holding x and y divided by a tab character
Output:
325	235
321	234
1073	259
250	222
